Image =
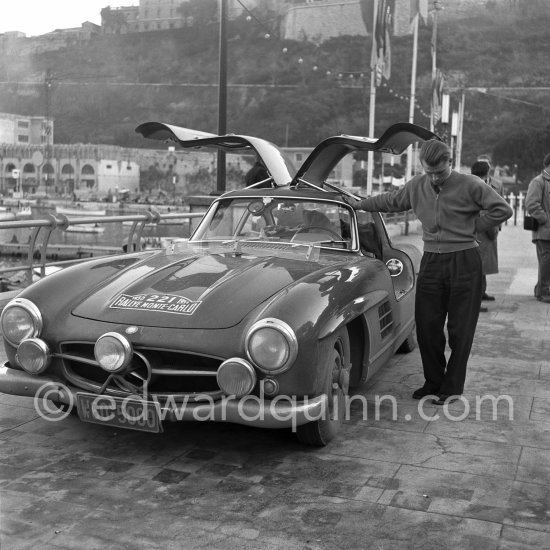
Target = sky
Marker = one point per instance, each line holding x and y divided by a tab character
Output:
34	17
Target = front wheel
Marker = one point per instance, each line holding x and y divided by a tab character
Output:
334	354
64	408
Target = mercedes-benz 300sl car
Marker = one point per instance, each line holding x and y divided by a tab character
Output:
281	300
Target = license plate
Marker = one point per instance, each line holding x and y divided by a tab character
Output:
129	413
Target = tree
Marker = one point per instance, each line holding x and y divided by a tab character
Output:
152	178
199	12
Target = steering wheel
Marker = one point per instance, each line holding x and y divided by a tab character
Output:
327	230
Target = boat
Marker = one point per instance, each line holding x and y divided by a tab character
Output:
6	214
95	228
130	222
79	211
24	213
48	270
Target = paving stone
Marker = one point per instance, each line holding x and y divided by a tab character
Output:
529	507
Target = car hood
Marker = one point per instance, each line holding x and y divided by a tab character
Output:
210	291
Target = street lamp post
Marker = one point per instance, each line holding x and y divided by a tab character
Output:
437	7
222	95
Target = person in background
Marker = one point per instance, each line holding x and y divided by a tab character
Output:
257	173
537	204
449	289
487	240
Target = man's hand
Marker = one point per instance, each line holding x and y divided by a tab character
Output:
351	201
273	231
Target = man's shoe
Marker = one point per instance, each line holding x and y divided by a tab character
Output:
483	309
443	399
423	392
488	298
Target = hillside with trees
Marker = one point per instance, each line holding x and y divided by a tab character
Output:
293	93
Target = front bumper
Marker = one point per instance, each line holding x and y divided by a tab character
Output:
281	412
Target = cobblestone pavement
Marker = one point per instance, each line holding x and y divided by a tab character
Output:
474	477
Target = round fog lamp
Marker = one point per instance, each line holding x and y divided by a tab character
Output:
113	352
33	355
236	377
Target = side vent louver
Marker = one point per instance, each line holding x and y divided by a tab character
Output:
386	319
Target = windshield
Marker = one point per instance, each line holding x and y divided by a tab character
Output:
322	223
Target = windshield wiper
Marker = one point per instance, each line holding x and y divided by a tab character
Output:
312	251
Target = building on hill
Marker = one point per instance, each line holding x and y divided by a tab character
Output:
17	43
81	34
25	130
120	20
159	15
313	20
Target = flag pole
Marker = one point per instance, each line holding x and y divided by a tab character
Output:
434	64
413	94
372	103
459	132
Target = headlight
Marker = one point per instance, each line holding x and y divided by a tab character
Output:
271	345
113	352
20	319
33	355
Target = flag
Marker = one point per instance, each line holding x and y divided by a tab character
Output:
419	7
381	49
437	94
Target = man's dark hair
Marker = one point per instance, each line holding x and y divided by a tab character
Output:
480	168
546	160
433	152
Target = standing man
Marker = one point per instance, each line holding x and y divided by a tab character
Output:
488	239
449	282
537	204
257	173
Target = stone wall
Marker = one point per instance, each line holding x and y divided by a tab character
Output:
324	19
321	20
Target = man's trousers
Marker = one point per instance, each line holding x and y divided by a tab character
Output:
449	290
543	256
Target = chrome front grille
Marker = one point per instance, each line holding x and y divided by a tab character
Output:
156	371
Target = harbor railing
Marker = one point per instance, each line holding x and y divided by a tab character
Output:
40	247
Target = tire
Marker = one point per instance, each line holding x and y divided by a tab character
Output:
63	407
335	355
409	344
